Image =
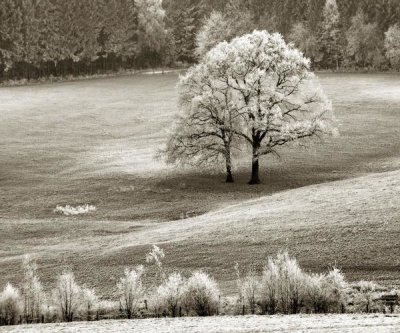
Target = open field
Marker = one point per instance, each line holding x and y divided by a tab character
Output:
94	142
247	324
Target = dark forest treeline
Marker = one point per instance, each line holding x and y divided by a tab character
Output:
40	38
57	37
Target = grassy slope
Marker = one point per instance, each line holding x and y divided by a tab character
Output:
353	223
247	324
93	142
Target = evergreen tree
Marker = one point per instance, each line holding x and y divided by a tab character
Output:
48	32
186	21
119	29
11	38
31	34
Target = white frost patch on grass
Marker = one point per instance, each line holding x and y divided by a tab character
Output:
247	324
161	72
78	210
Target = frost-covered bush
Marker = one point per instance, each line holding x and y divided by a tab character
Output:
89	303
131	291
155	257
335	290
10	305
248	287
169	295
283	285
365	297
325	293
269	287
32	292
50	312
70	210
286	289
201	295
107	308
155	304
67	296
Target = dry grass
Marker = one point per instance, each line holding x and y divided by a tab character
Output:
93	143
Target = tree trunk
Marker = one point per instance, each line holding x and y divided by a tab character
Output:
255	167
229	175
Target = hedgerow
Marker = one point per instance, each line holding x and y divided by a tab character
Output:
280	287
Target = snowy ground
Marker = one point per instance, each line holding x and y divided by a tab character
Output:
248	324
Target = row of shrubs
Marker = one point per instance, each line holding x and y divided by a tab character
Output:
282	287
285	288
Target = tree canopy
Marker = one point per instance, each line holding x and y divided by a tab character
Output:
257	91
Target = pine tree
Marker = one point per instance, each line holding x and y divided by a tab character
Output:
79	29
184	28
119	29
11	37
48	31
31	35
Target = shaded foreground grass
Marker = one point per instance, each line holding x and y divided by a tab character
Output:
94	142
245	324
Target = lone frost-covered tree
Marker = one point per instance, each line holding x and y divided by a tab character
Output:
256	90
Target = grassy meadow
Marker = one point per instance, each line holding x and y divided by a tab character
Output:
243	324
94	142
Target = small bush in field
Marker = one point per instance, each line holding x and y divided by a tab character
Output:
78	210
335	290
201	295
50	312
89	303
67	296
315	301
155	257
365	297
156	304
283	285
325	292
10	305
131	291
169	295
248	288
32	292
107	309
269	288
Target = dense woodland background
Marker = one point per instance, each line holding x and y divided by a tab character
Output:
42	38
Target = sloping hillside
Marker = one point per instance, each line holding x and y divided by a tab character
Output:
354	224
93	142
